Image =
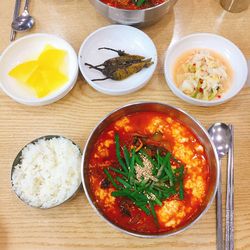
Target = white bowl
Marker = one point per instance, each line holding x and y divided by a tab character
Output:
28	48
119	37
218	44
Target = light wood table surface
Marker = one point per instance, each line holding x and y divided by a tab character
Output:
75	225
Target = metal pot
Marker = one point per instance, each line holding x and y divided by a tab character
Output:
142	17
174	112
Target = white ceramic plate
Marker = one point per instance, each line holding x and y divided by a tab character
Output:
28	48
218	44
129	39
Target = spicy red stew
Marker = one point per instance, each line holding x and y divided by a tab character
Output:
148	173
133	4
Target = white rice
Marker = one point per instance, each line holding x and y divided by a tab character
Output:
49	172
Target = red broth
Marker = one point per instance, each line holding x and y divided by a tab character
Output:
129	4
176	138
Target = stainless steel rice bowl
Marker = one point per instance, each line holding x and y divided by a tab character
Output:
18	162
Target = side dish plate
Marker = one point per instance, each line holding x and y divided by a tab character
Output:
119	37
218	44
28	48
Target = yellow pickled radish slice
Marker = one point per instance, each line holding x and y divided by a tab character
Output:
23	71
38	83
54	56
54	79
44	75
45	81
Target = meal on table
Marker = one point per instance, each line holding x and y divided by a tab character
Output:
133	4
202	74
120	67
148	173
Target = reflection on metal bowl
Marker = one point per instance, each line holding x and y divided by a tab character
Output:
142	17
197	129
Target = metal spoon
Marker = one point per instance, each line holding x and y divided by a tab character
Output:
221	136
25	21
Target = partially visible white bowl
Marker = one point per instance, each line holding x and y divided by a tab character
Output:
218	44
28	48
119	37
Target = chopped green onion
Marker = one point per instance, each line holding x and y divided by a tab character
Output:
148	157
138	160
181	188
118	153
123	182
153	212
138	3
146	192
144	208
110	178
119	171
126	155
132	165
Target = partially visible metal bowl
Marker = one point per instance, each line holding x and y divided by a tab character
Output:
174	112
134	17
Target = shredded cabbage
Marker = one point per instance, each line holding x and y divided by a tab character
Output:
202	76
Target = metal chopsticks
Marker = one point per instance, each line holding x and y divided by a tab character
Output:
230	196
15	14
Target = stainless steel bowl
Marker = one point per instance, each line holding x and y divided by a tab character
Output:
18	160
177	113
134	17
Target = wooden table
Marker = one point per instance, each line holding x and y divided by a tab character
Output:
75	225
